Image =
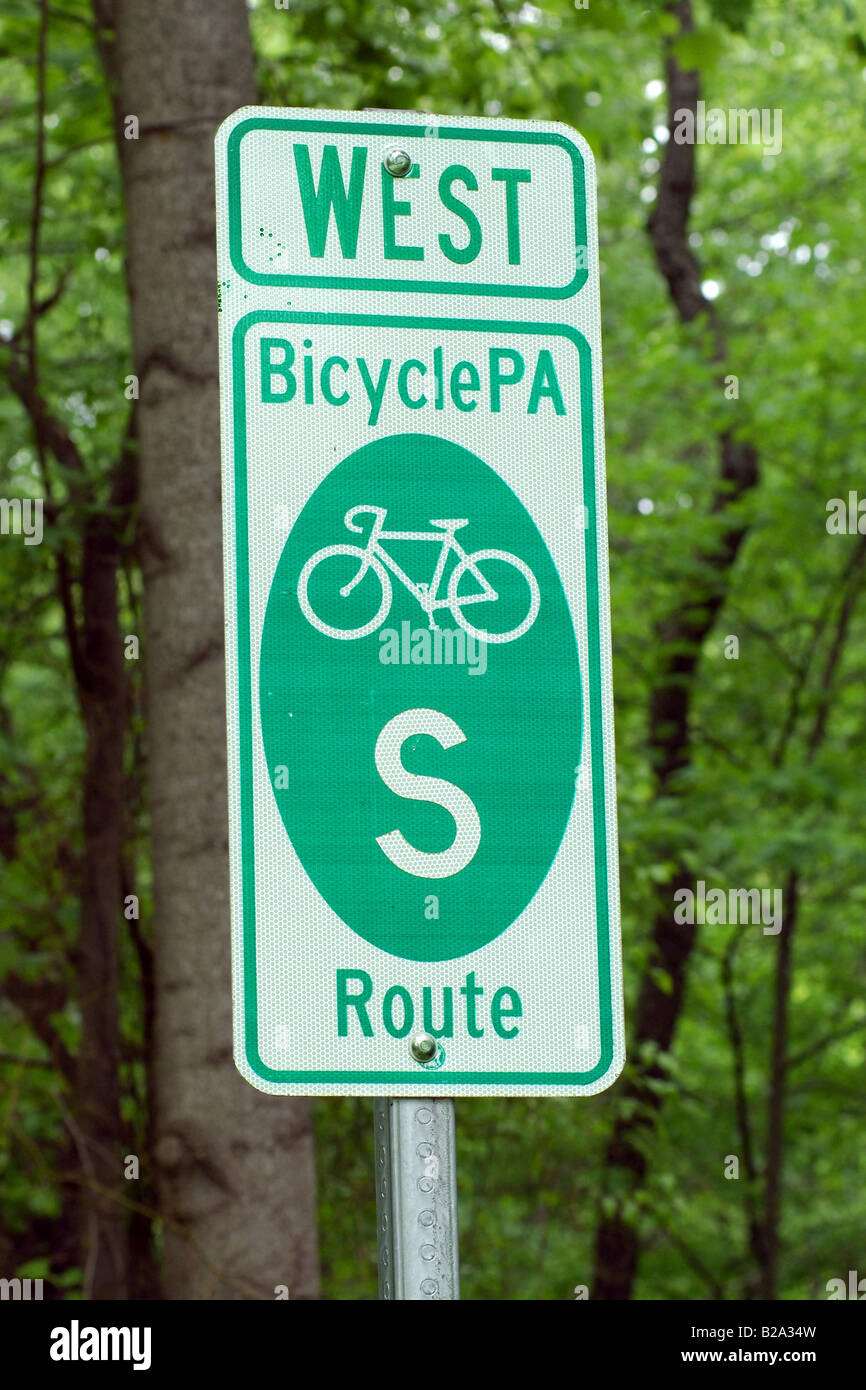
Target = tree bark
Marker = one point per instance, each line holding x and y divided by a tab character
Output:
103	700
234	1167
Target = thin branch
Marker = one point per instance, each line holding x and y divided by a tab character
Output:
69	150
806	664
691	1257
36	213
834	655
38	1002
777	1094
700	735
92	1220
10	1059
803	194
772	641
814	1048
51	433
735	1034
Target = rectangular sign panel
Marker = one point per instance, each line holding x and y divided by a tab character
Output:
421	762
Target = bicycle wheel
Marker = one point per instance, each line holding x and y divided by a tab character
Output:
454	602
320	557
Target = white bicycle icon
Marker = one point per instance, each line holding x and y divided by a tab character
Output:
374	557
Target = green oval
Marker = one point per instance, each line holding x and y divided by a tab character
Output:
325	698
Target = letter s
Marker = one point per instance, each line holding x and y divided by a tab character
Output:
415	788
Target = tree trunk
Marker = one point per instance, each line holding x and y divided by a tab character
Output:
777	1094
96	658
103	700
234	1167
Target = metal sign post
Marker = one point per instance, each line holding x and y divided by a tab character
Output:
416	1200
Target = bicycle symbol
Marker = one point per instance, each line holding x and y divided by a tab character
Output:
374	557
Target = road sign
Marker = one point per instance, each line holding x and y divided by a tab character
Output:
422	796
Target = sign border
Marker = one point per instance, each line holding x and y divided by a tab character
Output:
443	132
435	1079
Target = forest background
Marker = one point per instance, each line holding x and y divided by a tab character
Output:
732	286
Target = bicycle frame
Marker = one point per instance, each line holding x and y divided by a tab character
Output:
425	594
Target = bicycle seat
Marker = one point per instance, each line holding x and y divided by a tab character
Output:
451	525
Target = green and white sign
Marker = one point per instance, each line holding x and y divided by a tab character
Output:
420	727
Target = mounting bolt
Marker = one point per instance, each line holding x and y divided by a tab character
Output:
398	163
423	1048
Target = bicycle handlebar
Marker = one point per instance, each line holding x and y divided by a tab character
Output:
380	512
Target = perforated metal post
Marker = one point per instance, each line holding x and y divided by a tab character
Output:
416	1200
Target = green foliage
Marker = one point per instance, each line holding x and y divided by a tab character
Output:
532	1173
83	356
783	239
734	13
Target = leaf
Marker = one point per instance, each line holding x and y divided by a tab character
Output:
734	13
